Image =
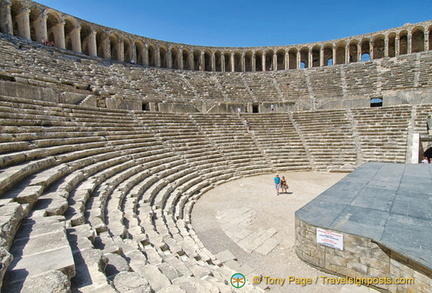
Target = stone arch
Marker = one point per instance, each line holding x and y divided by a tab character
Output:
304	57
292	58
430	37
227	56
139	52
101	40
114	46
85	35
197	60
18	25
258	60
269	60
127	50
417	40
70	40
391	46
365	50
151	53
218	61
248	61
328	54
378	46
207	60
353	51
186	59
175	57
316	56
163	58
403	42
54	27
340	57
280	57
238	61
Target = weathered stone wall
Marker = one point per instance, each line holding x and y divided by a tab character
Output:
362	258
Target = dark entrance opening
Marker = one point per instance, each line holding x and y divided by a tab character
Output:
376	102
255	108
145	106
428	153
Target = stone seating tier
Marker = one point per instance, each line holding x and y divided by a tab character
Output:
121	189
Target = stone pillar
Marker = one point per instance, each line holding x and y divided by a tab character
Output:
213	61
310	59
347	53
286	60
120	50
275	62
23	20
6	25
106	48
397	45
169	58
371	50
134	55
386	47
223	62
202	61
157	57
426	40
263	61
253	61
409	43
59	35
41	27
92	44
322	56
243	62
334	55
145	55
232	62
181	59
75	35
359	52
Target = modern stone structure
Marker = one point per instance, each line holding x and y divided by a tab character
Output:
107	158
382	212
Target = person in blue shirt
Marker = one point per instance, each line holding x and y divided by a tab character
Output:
277	182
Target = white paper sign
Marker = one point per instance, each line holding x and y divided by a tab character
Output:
330	239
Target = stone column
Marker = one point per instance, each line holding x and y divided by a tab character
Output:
286	60
106	48
223	62
145	55
347	53
23	20
397	45
92	44
120	50
409	43
157	57
243	62
275	62
180	65
359	52
426	40
371	50
253	61
310	59
322	56
213	61
41	27
386	46
134	55
6	25
75	35
334	55
169	58
263	61
59	35
232	62
202	61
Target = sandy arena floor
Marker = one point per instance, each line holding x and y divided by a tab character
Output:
245	218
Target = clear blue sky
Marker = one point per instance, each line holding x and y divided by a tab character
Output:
247	23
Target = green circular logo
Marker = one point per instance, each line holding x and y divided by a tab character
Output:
238	280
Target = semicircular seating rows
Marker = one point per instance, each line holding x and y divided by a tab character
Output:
100	200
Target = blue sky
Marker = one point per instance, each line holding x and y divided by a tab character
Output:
247	23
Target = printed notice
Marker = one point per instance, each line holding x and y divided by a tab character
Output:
330	239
